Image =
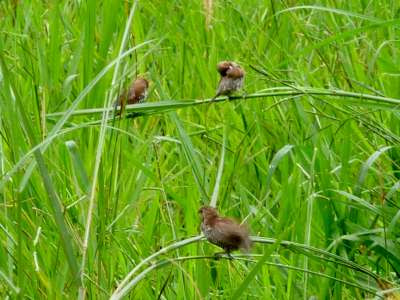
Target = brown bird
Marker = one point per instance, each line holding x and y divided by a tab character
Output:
232	77
224	232
137	93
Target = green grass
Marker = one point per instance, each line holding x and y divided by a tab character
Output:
96	207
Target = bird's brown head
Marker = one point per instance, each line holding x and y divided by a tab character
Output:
141	83
224	66
138	91
235	72
207	213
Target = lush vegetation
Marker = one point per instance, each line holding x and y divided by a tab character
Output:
97	206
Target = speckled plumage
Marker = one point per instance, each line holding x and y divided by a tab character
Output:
228	85
223	232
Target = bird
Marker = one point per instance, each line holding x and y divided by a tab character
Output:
224	232
232	78
137	93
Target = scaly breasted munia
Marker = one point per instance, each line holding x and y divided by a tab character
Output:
232	77
223	232
137	93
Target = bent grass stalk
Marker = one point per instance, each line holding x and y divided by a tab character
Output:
124	282
170	105
128	282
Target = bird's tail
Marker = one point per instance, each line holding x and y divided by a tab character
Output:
121	103
245	246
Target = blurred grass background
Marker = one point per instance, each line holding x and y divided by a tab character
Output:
320	171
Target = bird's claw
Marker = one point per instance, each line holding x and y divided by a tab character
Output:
218	255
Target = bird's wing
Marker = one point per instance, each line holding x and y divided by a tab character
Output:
230	232
131	95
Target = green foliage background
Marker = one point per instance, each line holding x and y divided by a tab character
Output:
85	198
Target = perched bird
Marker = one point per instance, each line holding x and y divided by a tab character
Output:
137	93
232	77
223	232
